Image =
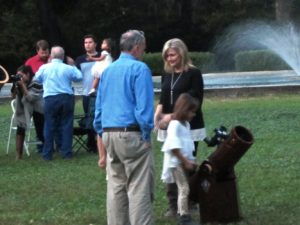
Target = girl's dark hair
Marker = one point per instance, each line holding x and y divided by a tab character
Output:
183	105
114	52
26	69
109	43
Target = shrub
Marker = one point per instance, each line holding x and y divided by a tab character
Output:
259	60
205	61
155	62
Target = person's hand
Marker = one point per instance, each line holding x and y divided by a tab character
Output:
89	58
20	82
102	162
163	125
157	118
189	165
164	121
147	144
70	61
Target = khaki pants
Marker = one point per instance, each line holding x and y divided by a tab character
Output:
183	190
130	174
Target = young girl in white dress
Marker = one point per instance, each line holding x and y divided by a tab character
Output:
101	62
178	152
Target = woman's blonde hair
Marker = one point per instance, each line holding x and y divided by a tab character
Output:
180	47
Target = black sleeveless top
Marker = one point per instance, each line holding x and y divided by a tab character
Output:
191	82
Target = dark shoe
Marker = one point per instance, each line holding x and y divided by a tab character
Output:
92	149
68	156
39	148
193	208
170	213
186	220
47	159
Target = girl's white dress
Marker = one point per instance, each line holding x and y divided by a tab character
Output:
100	66
178	137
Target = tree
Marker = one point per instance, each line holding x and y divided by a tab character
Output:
49	23
283	10
198	22
19	30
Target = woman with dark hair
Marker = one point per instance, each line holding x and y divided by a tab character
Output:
29	102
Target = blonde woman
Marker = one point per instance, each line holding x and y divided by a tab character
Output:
180	76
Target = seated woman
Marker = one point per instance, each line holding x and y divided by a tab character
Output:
29	103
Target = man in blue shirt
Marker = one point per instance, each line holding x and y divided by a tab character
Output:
57	78
124	119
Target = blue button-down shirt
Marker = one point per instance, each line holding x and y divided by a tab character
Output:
125	96
57	77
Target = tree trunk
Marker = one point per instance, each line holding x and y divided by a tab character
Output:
283	10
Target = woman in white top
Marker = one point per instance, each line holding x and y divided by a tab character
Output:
178	152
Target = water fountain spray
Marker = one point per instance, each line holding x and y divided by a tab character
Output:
281	39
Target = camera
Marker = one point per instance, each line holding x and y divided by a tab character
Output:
16	77
220	135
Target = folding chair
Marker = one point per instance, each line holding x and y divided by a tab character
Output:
13	127
85	128
79	139
80	133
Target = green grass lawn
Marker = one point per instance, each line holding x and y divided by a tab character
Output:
73	192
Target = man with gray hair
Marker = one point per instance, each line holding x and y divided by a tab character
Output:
57	78
124	119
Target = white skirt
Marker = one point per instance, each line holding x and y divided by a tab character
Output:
197	134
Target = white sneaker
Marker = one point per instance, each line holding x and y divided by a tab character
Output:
92	91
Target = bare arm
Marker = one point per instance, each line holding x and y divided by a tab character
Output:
157	114
96	58
161	120
101	152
